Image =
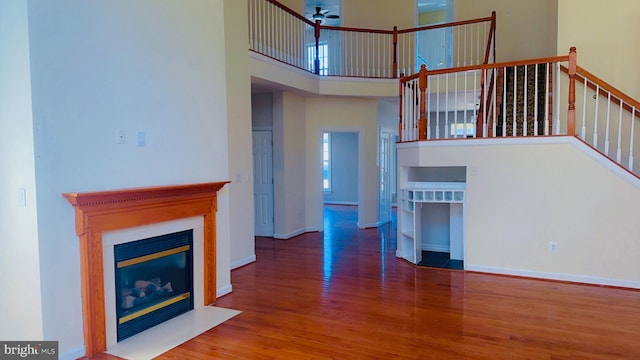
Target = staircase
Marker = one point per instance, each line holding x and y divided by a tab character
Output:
523	89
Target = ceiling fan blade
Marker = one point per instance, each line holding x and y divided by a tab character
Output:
333	16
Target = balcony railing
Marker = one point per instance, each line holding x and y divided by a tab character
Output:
284	35
530	98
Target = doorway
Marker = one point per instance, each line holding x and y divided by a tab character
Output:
385	176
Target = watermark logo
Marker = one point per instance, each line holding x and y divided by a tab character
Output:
32	350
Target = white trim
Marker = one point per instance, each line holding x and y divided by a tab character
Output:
227	289
73	354
398	254
243	262
554	276
296	233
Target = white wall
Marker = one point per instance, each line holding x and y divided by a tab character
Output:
524	29
528	194
289	187
21	304
156	66
605	35
239	130
262	111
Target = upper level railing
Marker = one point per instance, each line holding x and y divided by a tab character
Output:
529	98
284	35
488	100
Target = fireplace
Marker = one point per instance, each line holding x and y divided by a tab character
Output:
121	210
153	281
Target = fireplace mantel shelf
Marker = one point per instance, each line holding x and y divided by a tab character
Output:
98	212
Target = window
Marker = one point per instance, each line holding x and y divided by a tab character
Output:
323	57
459	129
326	162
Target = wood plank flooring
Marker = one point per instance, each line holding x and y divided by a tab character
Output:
342	294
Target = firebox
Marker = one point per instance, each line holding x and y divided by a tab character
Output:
154	281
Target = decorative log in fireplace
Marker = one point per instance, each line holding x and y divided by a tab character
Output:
98	212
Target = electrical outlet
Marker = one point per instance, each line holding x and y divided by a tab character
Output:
553	246
120	137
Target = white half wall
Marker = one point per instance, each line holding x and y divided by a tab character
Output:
521	195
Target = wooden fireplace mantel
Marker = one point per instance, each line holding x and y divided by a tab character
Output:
98	212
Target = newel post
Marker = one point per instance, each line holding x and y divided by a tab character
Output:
395	53
571	115
316	61
401	107
422	121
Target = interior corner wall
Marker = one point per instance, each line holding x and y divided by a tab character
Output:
515	20
21	302
603	33
289	187
240	138
342	114
156	66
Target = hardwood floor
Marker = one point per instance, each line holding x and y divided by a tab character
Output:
343	294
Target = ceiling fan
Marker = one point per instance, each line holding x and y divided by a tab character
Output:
322	15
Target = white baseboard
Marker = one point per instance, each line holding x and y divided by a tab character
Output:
437	248
555	276
227	289
73	354
350	203
296	233
243	262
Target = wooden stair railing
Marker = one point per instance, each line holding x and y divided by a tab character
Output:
492	87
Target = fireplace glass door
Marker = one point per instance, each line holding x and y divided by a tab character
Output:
154	281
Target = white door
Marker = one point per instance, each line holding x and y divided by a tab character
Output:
263	182
385	178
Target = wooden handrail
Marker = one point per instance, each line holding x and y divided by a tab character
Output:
449	24
290	11
491	66
501	64
629	103
492	32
